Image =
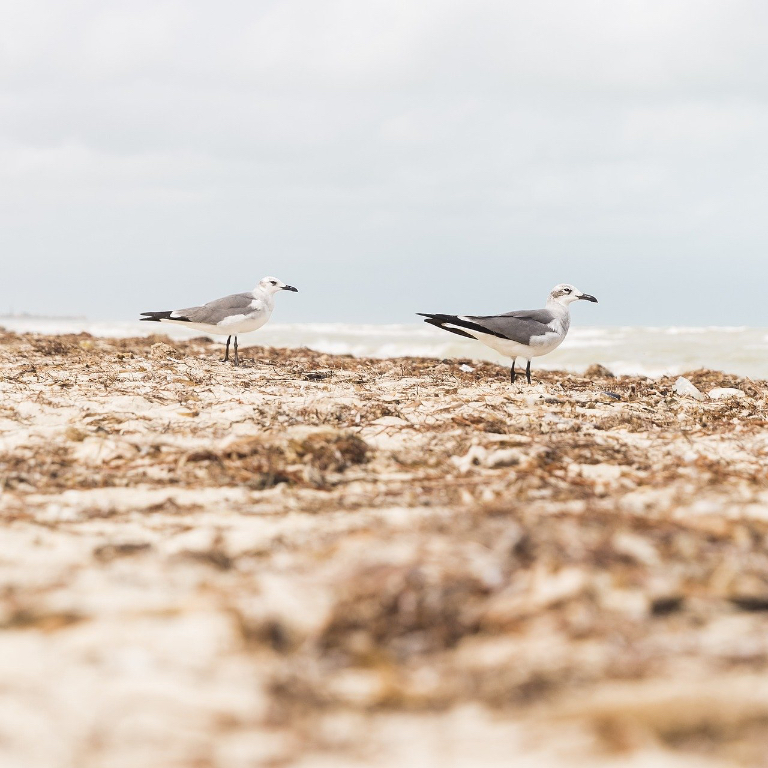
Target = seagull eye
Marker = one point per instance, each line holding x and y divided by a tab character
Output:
567	290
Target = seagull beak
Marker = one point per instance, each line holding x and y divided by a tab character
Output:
587	297
290	288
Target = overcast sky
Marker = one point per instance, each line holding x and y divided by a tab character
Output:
386	156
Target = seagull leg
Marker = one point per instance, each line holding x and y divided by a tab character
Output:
237	359
512	373
528	371
226	354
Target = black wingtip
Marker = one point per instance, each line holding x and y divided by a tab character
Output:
439	322
156	317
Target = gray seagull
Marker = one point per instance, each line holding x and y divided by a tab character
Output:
230	316
527	333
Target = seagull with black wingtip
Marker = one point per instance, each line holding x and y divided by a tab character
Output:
230	316
526	333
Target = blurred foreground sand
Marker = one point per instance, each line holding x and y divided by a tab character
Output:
320	561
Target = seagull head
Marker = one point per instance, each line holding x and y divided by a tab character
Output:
271	285
565	294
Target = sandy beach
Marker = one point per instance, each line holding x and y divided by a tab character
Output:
324	561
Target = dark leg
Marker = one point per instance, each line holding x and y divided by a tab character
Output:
237	359
527	370
226	354
512	373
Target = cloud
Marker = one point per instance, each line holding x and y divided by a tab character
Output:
381	140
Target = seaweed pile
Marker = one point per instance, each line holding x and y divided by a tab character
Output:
375	562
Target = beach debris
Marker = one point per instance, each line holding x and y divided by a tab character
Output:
317	375
331	451
636	547
75	435
757	390
479	456
111	551
505	457
338	570
723	393
598	371
612	395
685	387
466	368
474	457
603	477
161	350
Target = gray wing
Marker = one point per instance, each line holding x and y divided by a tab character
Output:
214	312
520	326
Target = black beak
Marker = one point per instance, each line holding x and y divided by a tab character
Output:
290	288
587	297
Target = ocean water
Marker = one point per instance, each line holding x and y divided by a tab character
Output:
624	350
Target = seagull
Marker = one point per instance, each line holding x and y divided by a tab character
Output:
527	333
238	313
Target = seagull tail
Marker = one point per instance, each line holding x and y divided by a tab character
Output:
155	317
441	321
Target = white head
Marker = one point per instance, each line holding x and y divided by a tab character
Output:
565	294
271	285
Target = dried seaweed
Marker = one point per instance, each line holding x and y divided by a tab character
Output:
311	537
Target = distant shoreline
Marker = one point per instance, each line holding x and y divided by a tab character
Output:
52	318
642	351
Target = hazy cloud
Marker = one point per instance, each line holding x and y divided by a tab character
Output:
399	155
